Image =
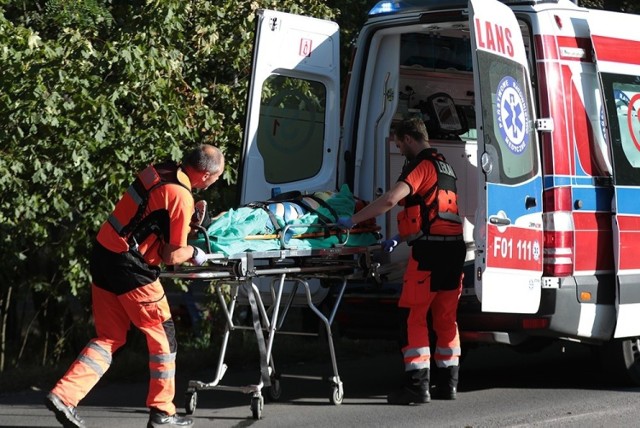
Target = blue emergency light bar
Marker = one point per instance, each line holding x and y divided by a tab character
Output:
396	6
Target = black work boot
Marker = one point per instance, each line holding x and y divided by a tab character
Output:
416	390
446	387
158	418
66	415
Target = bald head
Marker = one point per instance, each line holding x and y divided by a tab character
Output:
204	165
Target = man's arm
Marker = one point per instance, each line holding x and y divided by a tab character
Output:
384	203
173	254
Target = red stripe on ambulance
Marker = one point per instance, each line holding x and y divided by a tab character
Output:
629	233
593	233
617	50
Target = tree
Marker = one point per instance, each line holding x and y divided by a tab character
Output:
612	5
93	90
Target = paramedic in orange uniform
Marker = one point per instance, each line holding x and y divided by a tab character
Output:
148	226
430	224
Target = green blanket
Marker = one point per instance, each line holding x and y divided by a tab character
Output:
227	233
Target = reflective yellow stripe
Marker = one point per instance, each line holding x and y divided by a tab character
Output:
91	363
158	374
162	358
448	351
106	355
415	352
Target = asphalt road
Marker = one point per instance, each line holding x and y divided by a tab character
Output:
561	387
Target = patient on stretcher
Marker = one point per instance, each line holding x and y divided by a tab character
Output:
259	226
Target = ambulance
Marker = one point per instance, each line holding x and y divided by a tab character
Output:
535	103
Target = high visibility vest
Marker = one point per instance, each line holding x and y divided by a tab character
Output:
418	215
128	213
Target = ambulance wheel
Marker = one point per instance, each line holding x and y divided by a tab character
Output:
257	403
622	359
275	390
190	402
336	395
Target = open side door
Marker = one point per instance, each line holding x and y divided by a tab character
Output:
617	48
508	230
292	128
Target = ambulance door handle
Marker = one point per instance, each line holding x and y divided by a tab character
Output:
499	221
530	202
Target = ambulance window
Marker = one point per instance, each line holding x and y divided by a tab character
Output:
622	97
435	51
507	118
291	128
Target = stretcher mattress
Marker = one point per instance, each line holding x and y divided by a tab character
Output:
251	229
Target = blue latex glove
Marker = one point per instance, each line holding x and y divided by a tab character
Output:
345	222
199	256
389	245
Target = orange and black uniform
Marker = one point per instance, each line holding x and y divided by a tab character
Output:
125	287
433	279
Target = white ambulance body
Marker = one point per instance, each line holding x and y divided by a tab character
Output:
535	104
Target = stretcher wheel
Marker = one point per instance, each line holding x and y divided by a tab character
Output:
275	390
190	403
337	394
257	403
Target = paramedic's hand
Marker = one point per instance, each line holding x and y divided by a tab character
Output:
199	256
389	245
345	222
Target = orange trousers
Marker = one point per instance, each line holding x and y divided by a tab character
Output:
145	307
417	296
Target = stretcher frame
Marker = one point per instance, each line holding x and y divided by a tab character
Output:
241	271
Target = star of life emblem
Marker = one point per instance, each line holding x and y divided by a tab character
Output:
511	114
536	250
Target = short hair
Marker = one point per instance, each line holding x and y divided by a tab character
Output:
205	158
413	127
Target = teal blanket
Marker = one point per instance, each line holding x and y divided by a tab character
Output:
228	233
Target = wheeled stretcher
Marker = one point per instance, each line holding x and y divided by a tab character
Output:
245	273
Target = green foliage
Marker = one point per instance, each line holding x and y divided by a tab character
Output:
92	91
628	6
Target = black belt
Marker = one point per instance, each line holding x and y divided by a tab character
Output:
443	237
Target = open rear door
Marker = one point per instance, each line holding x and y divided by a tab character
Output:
508	232
616	42
292	130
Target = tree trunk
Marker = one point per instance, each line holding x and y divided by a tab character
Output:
4	304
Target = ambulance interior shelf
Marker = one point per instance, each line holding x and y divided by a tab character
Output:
443	119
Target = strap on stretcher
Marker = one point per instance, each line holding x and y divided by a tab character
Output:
343	234
257	326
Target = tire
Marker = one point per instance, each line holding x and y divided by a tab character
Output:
275	390
191	402
257	404
621	358
336	395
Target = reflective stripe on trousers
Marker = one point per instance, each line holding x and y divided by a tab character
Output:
92	362
416	358
147	308
443	306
